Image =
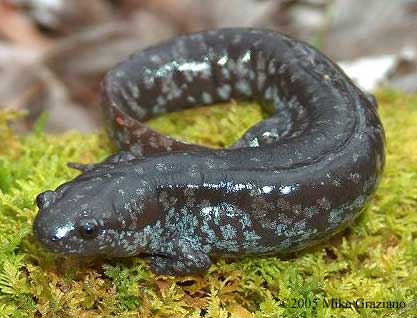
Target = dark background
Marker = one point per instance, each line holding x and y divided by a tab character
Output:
53	53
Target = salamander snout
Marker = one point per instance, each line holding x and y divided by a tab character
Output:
51	227
45	199
48	234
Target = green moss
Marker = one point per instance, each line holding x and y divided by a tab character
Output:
217	127
376	259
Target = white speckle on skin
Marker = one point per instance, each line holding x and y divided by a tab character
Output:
161	100
269	92
287	189
223	60
254	142
243	86
148	79
224	91
191	99
228	232
267	189
134	90
225	72
63	230
160	167
246	57
354	177
156	59
207	99
120	74
194	67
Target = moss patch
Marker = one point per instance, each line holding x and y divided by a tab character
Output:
376	259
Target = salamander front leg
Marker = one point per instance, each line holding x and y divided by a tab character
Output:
117	157
184	260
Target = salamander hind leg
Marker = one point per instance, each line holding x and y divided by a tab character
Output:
268	131
185	259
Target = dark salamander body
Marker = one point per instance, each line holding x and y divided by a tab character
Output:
291	181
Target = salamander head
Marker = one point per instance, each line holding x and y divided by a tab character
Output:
80	217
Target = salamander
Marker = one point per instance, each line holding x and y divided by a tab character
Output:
291	181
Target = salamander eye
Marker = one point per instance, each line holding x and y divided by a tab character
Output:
88	228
